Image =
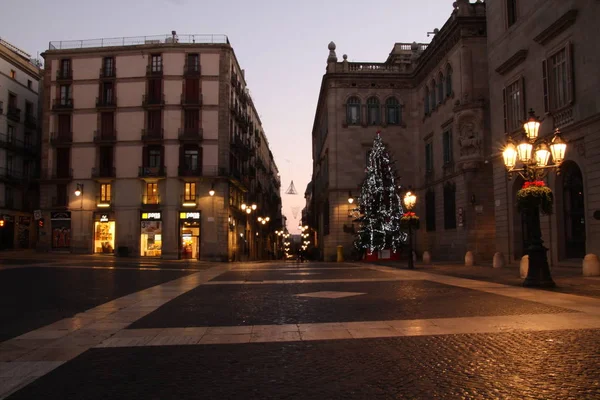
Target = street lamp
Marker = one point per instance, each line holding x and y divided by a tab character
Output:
79	189
211	192
409	201
534	153
350	198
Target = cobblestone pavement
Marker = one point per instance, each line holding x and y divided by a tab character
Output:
547	365
314	331
33	297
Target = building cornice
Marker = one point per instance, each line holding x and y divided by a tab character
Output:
512	62
558	26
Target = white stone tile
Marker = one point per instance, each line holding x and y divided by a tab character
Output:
44	334
173	340
326	334
329	294
225	339
229	330
361	333
275	336
27	368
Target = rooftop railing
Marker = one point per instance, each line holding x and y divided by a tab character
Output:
139	41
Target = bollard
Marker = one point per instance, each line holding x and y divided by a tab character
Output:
340	253
499	260
524	266
426	258
591	265
469	259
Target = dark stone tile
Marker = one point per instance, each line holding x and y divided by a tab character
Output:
259	304
33	297
292	274
516	365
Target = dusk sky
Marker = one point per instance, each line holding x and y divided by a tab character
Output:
281	45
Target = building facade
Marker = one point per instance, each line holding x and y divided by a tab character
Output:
430	103
543	55
19	146
150	148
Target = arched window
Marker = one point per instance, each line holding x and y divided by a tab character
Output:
426	100
432	93
373	111
440	88
353	111
448	80
393	114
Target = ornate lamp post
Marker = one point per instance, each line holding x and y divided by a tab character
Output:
409	219
534	154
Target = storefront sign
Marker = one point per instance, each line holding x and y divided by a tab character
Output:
153	216
104	218
61	215
194	215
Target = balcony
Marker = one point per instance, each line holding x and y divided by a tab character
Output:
190	134
60	202
13	144
30	121
106	102
108	73
189	200
105	137
10	175
153	135
104	172
61	139
62	104
13	113
104	202
153	100
184	171
152	172
65	74
150	202
191	101
191	70
154	70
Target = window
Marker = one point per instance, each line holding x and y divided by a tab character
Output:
428	158
440	88
12	101
64	124
29	84
65	66
353	111
432	93
108	65
449	206
65	95
107	124
426	100
447	144
513	106
558	79
13	74
152	193
28	109
105	192
191	119
190	159
430	211
154	89
10	133
373	111
26	168
511	12
326	218
156	63
189	191
154	158
193	62
154	121
28	139
108	92
448	81
61	195
393	116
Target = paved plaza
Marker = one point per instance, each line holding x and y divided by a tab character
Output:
153	330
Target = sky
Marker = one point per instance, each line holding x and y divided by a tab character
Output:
281	45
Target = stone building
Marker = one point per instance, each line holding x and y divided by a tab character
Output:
430	103
545	56
19	146
151	147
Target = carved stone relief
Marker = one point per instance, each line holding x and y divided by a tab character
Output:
470	134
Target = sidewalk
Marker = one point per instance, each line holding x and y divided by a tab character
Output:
568	279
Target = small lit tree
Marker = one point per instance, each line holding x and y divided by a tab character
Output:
379	204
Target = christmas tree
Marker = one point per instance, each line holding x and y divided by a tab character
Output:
379	204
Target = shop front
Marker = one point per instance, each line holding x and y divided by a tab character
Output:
60	222
189	232
151	234
104	233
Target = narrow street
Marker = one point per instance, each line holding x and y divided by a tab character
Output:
287	330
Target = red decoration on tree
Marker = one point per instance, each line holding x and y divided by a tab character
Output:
534	184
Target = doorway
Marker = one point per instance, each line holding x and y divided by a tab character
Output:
190	240
573	211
